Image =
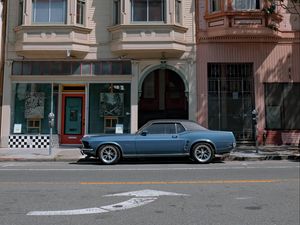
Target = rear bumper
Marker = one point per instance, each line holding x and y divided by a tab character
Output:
226	150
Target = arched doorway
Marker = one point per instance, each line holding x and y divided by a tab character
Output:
162	96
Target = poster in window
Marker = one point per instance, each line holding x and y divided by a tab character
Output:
111	104
34	105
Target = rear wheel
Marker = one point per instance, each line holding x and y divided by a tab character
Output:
109	154
203	153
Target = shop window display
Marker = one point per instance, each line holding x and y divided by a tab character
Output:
32	104
109	106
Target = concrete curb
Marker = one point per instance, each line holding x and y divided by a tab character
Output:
240	157
262	158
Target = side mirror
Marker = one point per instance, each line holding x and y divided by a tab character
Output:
144	133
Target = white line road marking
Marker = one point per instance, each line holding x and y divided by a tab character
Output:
243	198
143	197
8	165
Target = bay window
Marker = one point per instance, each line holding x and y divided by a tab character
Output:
215	5
21	12
178	15
117	12
49	11
246	5
80	12
148	10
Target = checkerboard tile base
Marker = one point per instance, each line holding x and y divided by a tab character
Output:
29	141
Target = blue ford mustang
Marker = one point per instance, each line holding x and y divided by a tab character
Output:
160	138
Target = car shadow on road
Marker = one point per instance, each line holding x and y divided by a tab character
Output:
141	161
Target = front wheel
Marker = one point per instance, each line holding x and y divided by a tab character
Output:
109	154
203	153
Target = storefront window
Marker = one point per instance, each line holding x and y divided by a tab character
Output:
281	99
32	104
109	108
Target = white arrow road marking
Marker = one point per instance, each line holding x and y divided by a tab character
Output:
143	197
147	193
131	203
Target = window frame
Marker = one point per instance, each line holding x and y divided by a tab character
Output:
21	12
257	6
163	13
34	12
178	11
116	12
211	2
80	15
281	106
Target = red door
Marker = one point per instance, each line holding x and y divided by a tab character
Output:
72	129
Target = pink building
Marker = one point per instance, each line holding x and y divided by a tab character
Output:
248	59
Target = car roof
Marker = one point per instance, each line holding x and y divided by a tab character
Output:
188	124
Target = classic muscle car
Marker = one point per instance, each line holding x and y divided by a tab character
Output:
160	138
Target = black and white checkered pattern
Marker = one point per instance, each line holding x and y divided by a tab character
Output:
40	141
29	141
18	141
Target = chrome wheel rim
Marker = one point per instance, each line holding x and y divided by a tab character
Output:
203	153
108	154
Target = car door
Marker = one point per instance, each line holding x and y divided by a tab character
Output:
158	139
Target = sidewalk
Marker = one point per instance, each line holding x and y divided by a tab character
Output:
72	154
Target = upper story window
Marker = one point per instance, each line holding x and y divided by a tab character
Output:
117	12
21	12
215	5
178	15
246	5
49	11
148	10
80	12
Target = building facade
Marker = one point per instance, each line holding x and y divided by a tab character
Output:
92	66
2	47
248	59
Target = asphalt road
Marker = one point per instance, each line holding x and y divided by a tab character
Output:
233	193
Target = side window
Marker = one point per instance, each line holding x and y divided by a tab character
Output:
170	128
155	129
179	128
161	128
215	5
178	15
80	12
21	12
116	12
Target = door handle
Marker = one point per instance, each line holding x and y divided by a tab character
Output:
174	136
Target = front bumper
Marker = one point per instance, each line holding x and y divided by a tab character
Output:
87	151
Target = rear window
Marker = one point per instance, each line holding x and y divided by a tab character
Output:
189	125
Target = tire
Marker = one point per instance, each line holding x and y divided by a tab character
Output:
203	153
109	154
